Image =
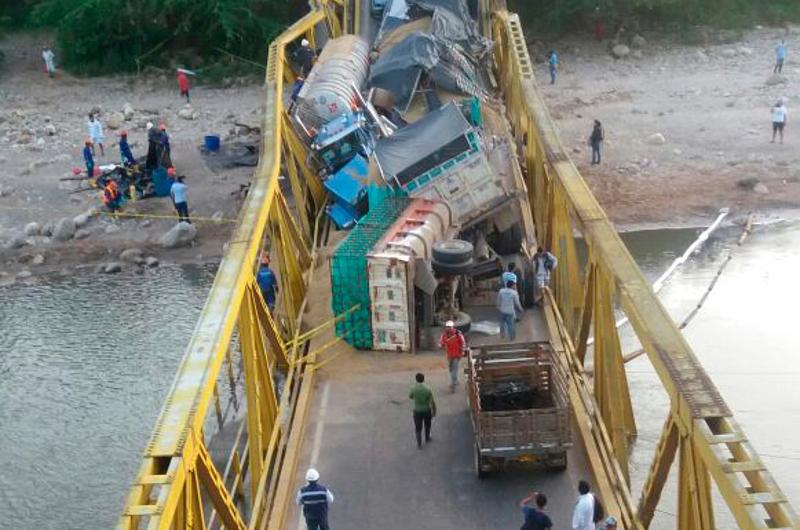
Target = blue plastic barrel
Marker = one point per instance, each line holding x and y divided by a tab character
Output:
211	142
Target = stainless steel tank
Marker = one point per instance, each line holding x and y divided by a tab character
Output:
329	90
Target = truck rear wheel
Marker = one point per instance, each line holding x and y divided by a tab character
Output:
453	269
480	463
557	462
452	251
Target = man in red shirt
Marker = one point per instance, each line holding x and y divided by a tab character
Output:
455	346
183	84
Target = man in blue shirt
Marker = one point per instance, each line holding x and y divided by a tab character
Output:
780	57
535	518
125	150
267	282
552	61
179	198
88	158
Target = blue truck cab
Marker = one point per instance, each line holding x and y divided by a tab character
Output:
339	140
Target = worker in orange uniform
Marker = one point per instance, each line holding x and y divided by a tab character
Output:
110	195
455	347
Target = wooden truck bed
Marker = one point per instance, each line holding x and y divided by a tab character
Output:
518	402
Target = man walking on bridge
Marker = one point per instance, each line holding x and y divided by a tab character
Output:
535	518
543	264
314	498
510	307
424	408
455	346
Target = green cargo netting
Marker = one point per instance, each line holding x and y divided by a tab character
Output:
349	280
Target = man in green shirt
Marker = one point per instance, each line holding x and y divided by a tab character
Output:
424	408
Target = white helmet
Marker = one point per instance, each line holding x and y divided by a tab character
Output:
304	42
450	324
312	475
149	125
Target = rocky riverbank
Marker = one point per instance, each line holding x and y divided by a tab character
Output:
687	128
49	225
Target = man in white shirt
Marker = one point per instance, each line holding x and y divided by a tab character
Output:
779	119
583	514
49	60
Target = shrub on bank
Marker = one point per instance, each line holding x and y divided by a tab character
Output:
109	36
546	18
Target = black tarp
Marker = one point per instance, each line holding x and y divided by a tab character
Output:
398	70
412	144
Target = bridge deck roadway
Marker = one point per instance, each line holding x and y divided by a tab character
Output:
360	437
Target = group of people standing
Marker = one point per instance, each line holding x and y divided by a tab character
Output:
508	300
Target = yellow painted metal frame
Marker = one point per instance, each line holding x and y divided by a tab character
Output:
178	484
700	427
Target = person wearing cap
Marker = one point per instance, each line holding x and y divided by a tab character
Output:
297	86
304	57
314	498
267	282
609	524
179	196
88	157
509	306
125	150
455	346
424	408
534	517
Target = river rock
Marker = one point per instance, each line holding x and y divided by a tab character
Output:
744	50
47	229
82	233
655	139
638	41
50	129
64	230
115	120
128	112
188	113
637	54
14	240
112	267
24	274
776	79
132	255
38	259
180	235
760	188
728	53
151	261
620	51
32	229
81	220
112	229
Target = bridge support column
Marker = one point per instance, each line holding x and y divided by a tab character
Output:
695	510
659	471
610	380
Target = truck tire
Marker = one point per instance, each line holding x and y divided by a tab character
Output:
508	241
453	269
478	463
463	322
557	462
452	251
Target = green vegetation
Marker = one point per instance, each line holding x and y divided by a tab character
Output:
101	36
553	17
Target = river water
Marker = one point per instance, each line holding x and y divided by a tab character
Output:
85	364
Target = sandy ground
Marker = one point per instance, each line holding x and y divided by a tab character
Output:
30	189
711	104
